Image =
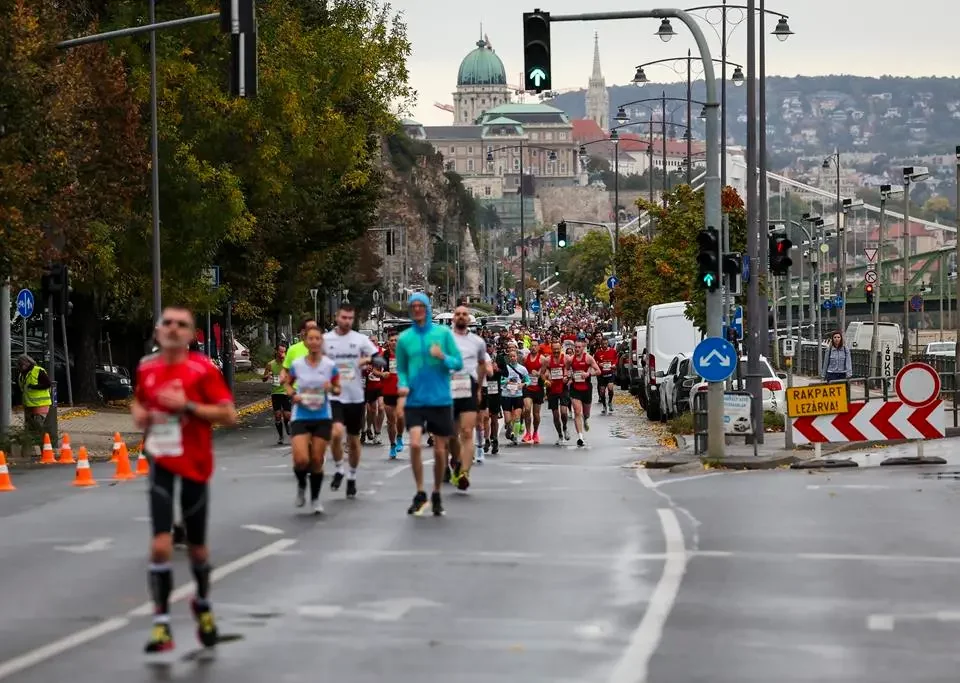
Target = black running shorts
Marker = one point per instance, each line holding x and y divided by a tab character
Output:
511	403
467	404
390	401
281	403
350	415
554	401
194	502
371	395
536	395
319	429
437	420
582	395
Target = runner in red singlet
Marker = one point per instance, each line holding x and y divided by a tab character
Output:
607	360
553	373
388	388
581	366
533	396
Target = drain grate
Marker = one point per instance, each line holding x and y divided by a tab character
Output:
952	474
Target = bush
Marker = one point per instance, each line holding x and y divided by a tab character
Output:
682	424
262	355
772	422
18	441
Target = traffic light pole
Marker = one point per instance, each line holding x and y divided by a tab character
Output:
715	437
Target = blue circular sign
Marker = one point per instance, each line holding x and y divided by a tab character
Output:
916	303
715	359
25	303
612	282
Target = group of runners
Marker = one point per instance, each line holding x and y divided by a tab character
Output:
446	387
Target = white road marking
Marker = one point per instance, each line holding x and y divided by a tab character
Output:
45	652
693	477
277	467
592	631
390	474
645	479
269	530
382	610
863	487
94	546
635	661
880	622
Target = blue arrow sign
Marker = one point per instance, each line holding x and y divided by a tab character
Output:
612	282
738	321
715	359
745	270
838	301
538	75
535	306
25	303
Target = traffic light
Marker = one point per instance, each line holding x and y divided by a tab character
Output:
732	266
562	234
536	51
556	272
708	260
779	255
868	292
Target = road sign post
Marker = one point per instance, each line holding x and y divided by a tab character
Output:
25	307
612	282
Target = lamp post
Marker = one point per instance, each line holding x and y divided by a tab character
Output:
552	158
640	79
911	174
841	234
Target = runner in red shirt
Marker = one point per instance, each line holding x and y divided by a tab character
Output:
388	388
372	396
607	360
180	395
533	396
581	366
553	373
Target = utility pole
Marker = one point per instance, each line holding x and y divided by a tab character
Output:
753	347
6	397
878	287
957	293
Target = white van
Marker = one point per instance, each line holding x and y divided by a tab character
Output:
859	335
669	332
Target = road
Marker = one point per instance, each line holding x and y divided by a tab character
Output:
560	565
542	573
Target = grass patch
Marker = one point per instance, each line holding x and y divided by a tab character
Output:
247	376
683	424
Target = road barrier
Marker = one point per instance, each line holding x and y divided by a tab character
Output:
84	476
826	413
123	471
46	455
66	451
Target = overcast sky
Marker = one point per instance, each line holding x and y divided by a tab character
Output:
861	37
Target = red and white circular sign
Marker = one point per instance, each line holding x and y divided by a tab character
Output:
917	384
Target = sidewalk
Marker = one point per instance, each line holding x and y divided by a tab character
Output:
94	428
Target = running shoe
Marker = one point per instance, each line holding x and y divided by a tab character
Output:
393	451
280	441
336	481
610	409
429	442
437	504
377	441
536	437
400	443
301	497
559	441
419	502
566	435
580	443
494	446
478	458
527	438
363	437
351	488
206	625
161	638
586	424
486	445
317	507
603	411
463	481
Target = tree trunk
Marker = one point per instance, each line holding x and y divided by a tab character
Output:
84	327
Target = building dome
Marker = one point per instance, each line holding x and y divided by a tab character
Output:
482	67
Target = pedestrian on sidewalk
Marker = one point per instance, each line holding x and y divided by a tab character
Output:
837	363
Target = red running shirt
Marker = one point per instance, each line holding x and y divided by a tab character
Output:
533	364
388	386
580	368
607	360
187	440
557	367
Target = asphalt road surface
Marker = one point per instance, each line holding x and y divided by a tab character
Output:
560	565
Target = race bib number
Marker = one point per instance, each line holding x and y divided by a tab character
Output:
579	376
393	365
556	373
493	387
276	380
165	438
534	381
460	385
347	371
313	399
607	366
513	386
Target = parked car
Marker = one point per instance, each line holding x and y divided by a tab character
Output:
624	364
675	390
773	383
672	376
638	353
669	332
241	357
944	349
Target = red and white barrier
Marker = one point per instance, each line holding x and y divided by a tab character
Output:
873	421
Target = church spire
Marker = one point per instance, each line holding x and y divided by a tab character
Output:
597	74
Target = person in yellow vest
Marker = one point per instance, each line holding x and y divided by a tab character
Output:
35	389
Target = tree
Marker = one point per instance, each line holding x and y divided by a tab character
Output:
664	269
585	262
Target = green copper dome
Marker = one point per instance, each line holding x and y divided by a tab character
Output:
482	67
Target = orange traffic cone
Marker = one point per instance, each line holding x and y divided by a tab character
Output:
5	483
116	447
123	473
143	466
66	452
46	456
84	475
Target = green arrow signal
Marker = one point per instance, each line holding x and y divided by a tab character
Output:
708	279
538	75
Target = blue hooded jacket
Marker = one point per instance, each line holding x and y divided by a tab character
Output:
427	378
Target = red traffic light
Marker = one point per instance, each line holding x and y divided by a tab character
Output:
868	289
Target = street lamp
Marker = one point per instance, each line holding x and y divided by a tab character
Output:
911	174
665	32
886	191
842	251
551	157
782	31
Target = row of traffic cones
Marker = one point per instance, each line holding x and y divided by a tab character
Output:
84	475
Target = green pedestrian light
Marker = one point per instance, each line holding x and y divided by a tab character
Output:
708	259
